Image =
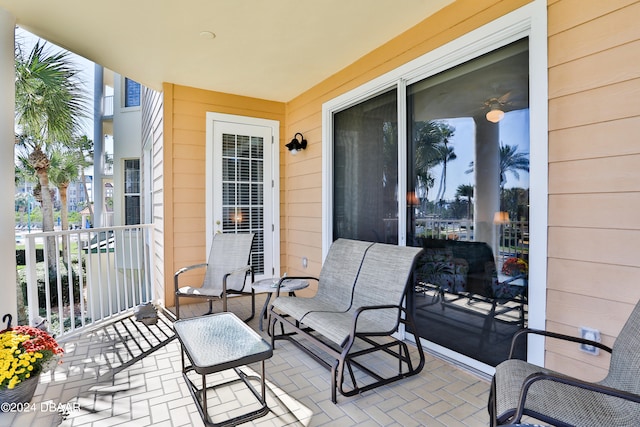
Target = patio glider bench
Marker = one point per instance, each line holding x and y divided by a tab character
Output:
355	312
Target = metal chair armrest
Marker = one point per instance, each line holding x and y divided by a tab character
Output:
573	382
184	270
555	335
242	270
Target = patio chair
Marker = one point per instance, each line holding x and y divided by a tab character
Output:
520	388
226	272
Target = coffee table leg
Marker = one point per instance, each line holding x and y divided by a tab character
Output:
264	394
204	399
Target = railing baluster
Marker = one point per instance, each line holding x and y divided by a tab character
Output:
32	279
58	285
66	247
80	280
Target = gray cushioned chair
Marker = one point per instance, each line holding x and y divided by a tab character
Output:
520	388
226	272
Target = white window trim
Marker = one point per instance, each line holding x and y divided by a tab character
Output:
528	21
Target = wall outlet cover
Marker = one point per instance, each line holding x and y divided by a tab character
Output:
590	334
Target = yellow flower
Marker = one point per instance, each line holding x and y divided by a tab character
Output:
13	382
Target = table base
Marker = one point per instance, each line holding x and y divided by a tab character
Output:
200	396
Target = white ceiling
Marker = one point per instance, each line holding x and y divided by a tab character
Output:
273	49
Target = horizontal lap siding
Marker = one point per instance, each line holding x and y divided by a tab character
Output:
185	117
152	134
594	174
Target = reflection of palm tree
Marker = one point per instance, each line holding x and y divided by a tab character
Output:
447	155
466	190
512	161
431	149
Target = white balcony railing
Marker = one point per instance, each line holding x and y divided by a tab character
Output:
512	238
91	275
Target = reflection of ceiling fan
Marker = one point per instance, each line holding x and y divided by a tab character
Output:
495	106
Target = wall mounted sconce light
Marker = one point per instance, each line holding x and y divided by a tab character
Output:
297	145
495	114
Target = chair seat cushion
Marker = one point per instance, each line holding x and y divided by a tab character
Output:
337	326
560	401
298	307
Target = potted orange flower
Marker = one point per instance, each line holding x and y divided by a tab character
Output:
25	352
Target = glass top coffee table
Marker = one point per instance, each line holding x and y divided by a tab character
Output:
270	285
216	343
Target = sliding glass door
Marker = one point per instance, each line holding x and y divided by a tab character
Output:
468	176
461	161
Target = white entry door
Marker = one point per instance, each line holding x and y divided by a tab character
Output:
243	194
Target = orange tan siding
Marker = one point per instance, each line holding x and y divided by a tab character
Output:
184	166
594	174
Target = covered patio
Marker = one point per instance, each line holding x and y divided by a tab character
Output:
95	387
583	265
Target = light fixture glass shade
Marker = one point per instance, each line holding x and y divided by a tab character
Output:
412	199
495	115
501	217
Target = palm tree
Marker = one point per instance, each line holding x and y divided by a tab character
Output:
49	106
83	148
63	170
466	190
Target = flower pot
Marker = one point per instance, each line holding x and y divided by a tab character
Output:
21	393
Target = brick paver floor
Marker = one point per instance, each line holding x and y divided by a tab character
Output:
96	387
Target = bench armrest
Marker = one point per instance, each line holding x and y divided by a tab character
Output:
283	279
361	310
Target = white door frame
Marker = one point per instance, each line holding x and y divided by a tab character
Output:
274	125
